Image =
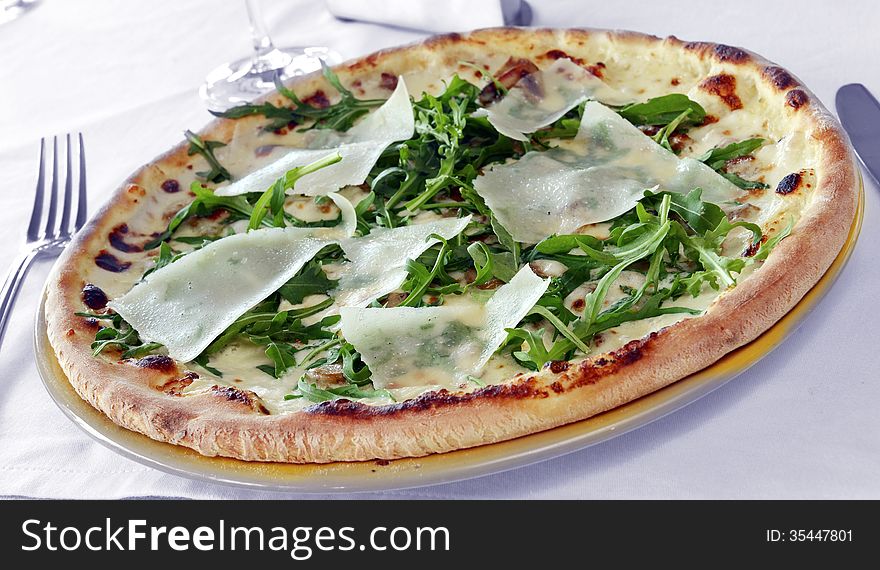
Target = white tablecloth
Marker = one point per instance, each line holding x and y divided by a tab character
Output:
801	423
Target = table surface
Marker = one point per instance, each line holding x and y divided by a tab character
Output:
802	423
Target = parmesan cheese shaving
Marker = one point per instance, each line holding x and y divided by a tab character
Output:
187	304
360	148
438	346
598	175
541	98
378	261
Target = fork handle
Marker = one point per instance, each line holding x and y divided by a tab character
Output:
11	287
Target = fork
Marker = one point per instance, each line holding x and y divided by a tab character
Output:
54	236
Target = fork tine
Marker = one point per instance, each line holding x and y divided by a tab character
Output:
53	193
81	205
37	212
63	227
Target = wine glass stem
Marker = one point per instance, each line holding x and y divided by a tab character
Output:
259	35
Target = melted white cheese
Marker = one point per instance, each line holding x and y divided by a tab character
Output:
239	362
541	98
360	147
440	346
599	175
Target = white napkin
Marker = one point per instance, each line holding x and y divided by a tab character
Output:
429	15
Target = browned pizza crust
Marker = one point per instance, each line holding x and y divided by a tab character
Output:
144	395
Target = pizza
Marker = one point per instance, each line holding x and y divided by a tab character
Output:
452	243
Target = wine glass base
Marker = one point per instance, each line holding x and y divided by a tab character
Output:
14	9
242	81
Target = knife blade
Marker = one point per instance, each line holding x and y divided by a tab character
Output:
859	113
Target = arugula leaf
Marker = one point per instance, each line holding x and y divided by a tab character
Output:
505	239
311	280
718	157
420	278
318	395
482	262
458	89
737	180
706	248
564	128
642	239
205	148
360	211
282	357
272	199
722	267
504	265
771	243
700	216
339	116
263	324
446	130
560	327
280	117
664	110
108	336
537	354
470	196
650	308
637	241
693	283
717	160
292	329
355	391
197	241
314	394
202	360
121	336
351	359
166	256
142	350
562	286
329	348
625	310
662	136
205	203
556	305
449	148
564	243
594	299
383	177
717	235
445	156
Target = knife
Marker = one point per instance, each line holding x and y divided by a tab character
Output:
859	113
